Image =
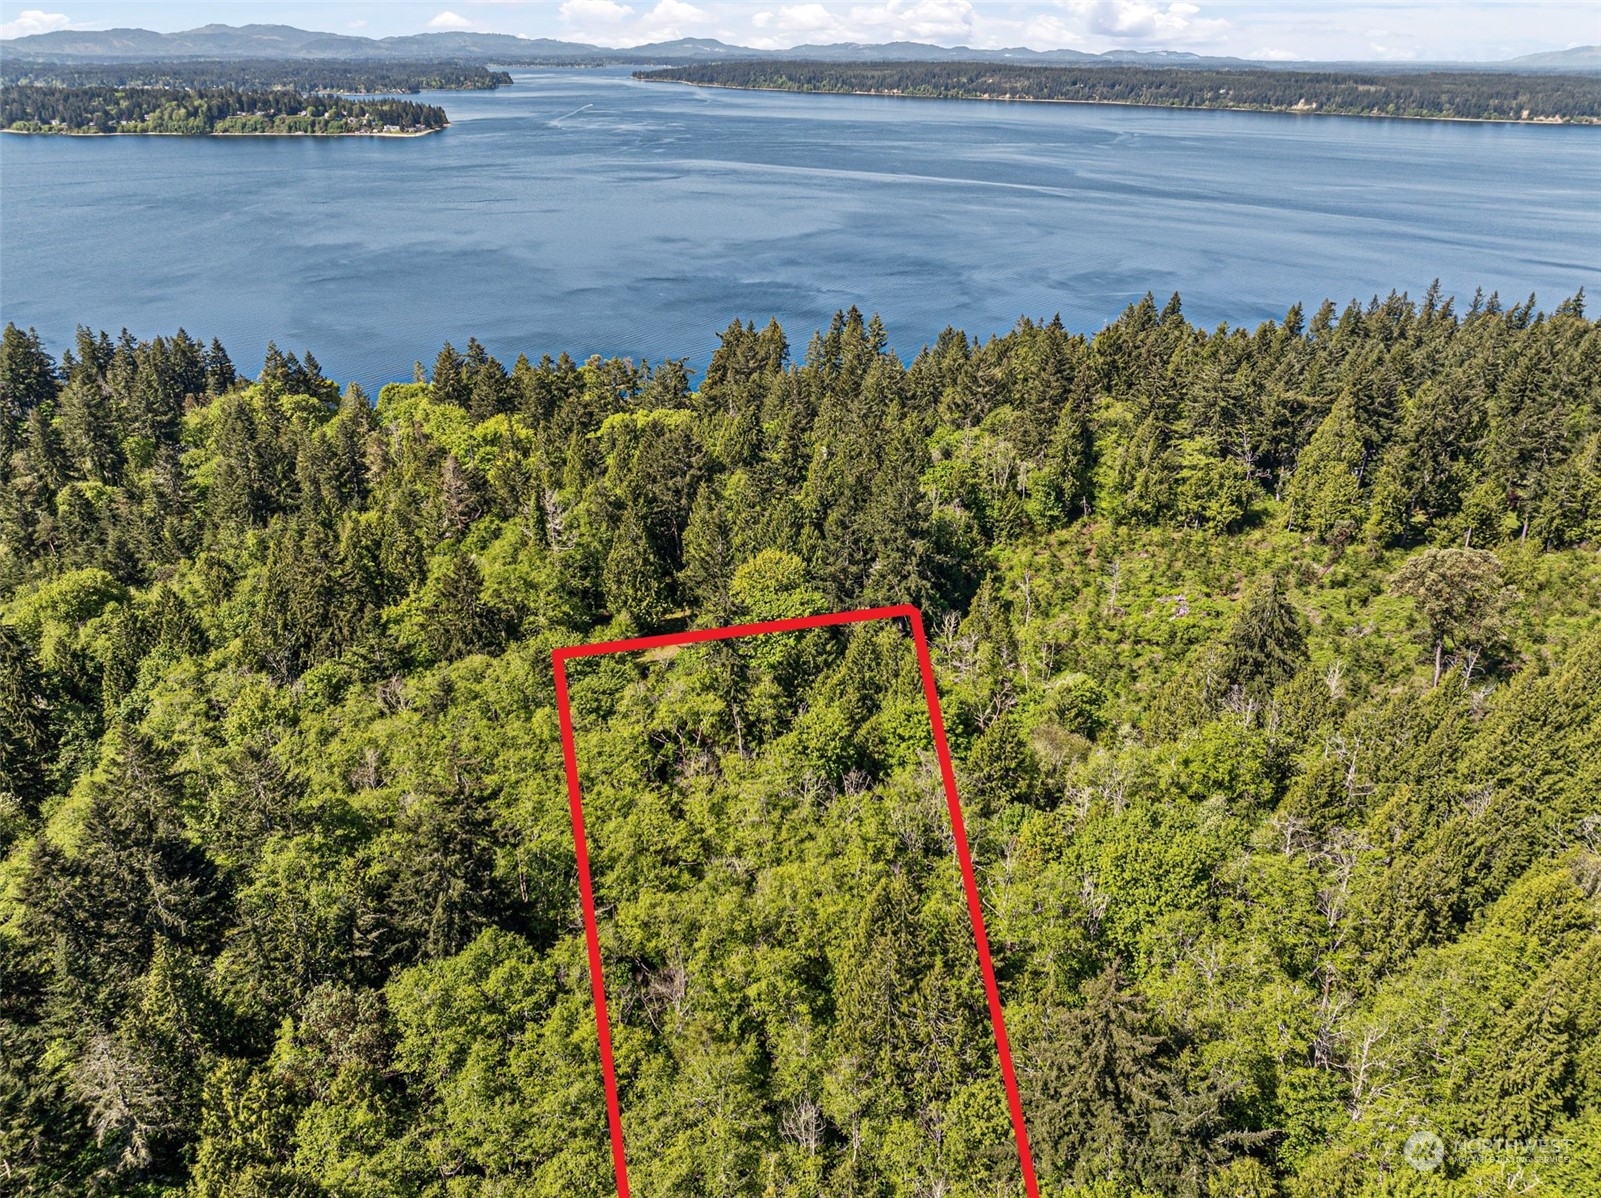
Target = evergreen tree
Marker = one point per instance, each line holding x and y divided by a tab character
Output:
349	433
1267	644
27	380
437	885
1324	495
492	391
633	576
309	607
1145	477
708	560
1069	466
25	731
91	433
1101	1091
220	374
247	475
135	882
449	378
456	619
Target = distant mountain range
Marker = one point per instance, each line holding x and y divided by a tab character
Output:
1576	57
285	41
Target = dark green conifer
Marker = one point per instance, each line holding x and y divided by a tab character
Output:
1266	645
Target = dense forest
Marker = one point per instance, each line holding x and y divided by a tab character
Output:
299	75
38	108
1460	95
1271	660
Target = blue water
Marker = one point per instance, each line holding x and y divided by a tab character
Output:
581	211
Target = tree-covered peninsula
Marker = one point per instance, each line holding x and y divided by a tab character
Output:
1439	95
1271	660
43	108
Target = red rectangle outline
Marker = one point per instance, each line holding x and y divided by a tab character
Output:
942	751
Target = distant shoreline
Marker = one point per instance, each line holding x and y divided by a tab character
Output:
1544	122
98	133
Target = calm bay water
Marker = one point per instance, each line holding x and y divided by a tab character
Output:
581	211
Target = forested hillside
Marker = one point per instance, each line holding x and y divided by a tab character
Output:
1271	659
1453	95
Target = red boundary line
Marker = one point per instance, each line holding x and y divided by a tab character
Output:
942	751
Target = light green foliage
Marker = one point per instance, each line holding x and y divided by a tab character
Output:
1213	493
1460	595
774	586
288	902
54	616
1325	495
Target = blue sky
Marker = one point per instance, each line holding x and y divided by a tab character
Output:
1328	29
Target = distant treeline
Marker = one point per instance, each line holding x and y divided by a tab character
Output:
299	76
206	110
1481	95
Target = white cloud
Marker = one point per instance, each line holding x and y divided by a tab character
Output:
945	21
450	20
1084	24
920	20
1272	54
1143	21
34	20
808	18
1051	33
676	10
672	19
605	11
